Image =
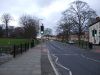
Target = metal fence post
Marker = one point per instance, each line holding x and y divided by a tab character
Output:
21	48
33	43
25	47
14	52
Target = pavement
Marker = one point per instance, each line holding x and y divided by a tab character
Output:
46	68
96	49
26	64
5	57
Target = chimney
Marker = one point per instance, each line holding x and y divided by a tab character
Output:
97	18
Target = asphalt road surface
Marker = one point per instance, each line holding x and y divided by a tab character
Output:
71	60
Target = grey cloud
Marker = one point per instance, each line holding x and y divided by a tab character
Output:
19	7
44	3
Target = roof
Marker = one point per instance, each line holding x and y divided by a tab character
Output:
96	21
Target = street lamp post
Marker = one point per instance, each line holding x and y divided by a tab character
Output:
39	24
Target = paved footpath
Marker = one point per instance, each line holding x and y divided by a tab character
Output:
46	67
26	64
96	49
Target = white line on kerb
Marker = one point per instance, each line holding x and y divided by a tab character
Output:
50	59
70	73
90	58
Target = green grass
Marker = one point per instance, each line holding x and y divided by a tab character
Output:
9	41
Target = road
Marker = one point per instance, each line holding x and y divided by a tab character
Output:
71	60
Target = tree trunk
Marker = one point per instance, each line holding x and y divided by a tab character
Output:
79	39
79	35
6	29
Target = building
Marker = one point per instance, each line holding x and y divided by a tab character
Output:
49	37
73	37
84	36
94	32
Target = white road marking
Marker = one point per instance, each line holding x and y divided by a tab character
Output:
90	58
51	62
66	54
56	61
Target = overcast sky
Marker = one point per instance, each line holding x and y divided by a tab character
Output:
48	10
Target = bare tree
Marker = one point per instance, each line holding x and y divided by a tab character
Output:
48	31
1	31
17	32
30	26
5	19
65	27
80	13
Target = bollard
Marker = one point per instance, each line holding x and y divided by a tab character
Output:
82	44
28	45
86	44
90	45
25	47
32	44
21	48
14	52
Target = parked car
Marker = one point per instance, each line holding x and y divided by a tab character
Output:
71	42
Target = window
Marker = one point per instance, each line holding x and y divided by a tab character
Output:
94	32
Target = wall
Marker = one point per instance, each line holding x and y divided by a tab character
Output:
96	39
